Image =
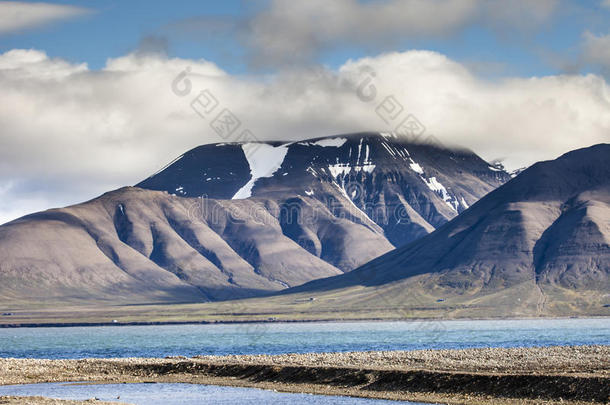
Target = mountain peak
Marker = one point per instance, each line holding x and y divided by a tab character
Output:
390	181
570	174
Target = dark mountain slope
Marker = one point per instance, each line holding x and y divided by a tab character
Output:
546	231
407	189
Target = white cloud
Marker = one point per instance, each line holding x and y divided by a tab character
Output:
605	3
31	63
522	119
521	15
69	133
596	49
18	15
290	32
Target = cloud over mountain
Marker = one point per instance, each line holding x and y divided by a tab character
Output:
97	130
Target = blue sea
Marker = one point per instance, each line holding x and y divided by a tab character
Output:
268	338
276	338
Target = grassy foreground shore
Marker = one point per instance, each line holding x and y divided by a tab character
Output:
570	375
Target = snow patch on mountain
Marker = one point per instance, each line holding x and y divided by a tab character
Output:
517	172
416	167
312	171
339	169
388	135
331	142
396	152
368	167
342	169
348	198
403	153
390	151
434	185
264	161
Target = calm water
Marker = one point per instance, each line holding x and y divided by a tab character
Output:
189	340
179	394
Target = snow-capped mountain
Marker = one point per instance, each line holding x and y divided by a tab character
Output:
235	220
407	189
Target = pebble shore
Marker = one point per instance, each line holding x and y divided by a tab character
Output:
48	401
582	360
570	375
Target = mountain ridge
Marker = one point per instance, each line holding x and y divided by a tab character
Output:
546	231
315	208
373	170
536	246
319	208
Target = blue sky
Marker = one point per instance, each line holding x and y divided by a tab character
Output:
115	28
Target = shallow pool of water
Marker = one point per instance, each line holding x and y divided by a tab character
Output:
179	394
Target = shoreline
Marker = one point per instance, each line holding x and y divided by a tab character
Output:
280	321
572	374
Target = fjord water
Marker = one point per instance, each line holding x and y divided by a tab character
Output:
179	394
276	338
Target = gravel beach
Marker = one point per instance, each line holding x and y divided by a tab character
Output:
570	375
48	401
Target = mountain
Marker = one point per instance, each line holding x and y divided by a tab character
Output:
236	220
134	244
407	189
540	244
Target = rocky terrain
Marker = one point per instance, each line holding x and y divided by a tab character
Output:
48	401
572	375
581	360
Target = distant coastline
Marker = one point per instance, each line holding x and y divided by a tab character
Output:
277	321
